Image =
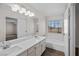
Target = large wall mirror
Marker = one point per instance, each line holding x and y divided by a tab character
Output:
11	28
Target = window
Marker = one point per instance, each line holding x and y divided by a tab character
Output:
54	26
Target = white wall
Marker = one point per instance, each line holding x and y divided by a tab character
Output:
21	30
30	26
41	26
56	40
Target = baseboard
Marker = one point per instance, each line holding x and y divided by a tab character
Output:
55	46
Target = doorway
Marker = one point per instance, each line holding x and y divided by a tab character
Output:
69	30
77	30
11	28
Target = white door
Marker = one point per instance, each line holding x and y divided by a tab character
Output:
69	31
66	32
72	30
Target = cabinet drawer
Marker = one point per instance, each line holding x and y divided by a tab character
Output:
31	50
23	53
38	50
32	54
43	47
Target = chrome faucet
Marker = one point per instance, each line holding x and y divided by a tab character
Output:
4	45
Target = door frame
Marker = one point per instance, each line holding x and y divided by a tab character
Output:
72	29
69	37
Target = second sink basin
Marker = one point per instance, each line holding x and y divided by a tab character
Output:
9	51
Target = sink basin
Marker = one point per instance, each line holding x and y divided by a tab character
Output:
9	51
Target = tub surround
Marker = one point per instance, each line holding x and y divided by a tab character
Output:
30	46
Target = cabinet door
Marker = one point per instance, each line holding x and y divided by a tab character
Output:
43	46
31	51
23	53
32	54
38	49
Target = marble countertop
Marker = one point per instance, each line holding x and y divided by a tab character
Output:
24	45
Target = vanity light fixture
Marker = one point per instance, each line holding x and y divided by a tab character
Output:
15	7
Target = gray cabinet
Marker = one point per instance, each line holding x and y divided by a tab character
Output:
23	53
43	46
31	51
38	49
35	50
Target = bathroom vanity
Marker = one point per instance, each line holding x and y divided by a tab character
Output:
33	46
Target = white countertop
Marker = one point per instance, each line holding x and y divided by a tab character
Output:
26	44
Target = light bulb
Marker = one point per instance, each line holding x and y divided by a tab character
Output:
31	14
27	13
15	7
22	10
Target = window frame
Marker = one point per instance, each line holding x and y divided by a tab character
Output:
55	26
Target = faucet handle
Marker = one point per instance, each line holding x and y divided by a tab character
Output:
4	44
1	44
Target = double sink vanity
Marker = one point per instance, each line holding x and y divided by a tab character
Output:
26	46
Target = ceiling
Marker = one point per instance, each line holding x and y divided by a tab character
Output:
50	9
